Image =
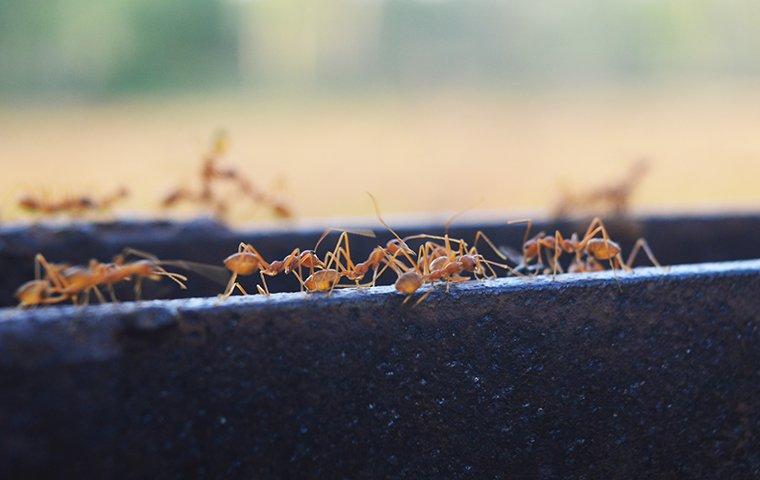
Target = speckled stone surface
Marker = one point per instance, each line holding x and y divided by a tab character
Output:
675	239
647	375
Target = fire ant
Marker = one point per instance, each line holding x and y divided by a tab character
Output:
437	262
63	282
73	205
328	278
148	267
599	249
614	199
247	261
211	174
379	256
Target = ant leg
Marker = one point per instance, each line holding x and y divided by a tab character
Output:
379	217
53	300
409	297
641	244
422	298
49	270
504	266
390	261
138	289
139	253
338	251
299	276
479	234
527	230
347	252
112	293
230	286
558	240
175	277
99	294
264	281
247	247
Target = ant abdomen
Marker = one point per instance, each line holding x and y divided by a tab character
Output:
242	263
602	249
409	282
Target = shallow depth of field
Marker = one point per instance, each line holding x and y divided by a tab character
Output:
431	105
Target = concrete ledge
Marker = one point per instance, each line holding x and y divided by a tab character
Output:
648	374
675	239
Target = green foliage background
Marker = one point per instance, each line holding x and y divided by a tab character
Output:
116	47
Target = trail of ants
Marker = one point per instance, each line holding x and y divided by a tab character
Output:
436	260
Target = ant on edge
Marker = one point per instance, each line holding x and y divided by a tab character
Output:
211	175
64	282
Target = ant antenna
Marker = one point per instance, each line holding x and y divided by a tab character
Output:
380	217
527	230
360	232
459	213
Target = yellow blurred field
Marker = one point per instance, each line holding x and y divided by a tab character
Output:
416	153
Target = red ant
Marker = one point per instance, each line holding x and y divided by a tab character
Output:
62	282
211	173
74	205
599	249
615	199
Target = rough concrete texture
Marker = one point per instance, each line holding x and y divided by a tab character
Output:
647	375
675	240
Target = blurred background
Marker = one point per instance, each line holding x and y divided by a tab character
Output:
429	104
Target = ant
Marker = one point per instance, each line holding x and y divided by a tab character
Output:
599	249
532	249
63	282
615	199
378	257
73	205
247	261
327	278
211	173
437	262
148	267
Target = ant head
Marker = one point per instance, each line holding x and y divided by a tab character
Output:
28	202
144	268
530	249
469	262
309	259
396	245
